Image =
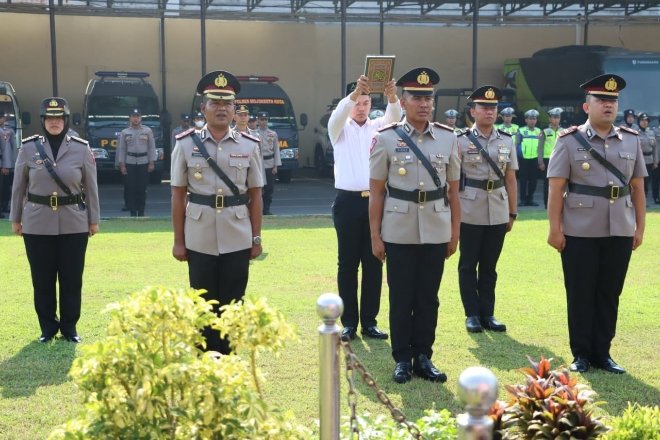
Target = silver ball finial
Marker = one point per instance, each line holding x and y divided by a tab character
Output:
477	389
329	306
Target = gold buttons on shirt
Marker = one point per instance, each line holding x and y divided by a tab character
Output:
198	172
421	183
402	171
586	166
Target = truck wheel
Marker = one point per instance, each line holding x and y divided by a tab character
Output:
284	176
155	177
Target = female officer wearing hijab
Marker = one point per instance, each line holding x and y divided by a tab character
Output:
55	207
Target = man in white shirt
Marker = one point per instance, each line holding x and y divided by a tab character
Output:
351	133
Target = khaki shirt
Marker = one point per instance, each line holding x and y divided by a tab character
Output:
647	140
393	161
76	167
595	216
270	145
8	150
137	141
478	206
208	230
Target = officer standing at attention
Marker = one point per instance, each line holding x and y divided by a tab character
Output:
351	131
270	150
629	119
414	215
655	176
507	125
527	146
241	119
3	154
186	123
55	207
488	208
600	221
450	120
649	149
9	154
136	153
547	143
252	123
218	172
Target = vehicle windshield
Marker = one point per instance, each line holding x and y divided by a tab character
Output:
113	108
280	113
7	107
639	73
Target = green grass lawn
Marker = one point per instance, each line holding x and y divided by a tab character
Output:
299	263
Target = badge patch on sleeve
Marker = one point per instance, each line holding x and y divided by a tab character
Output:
373	144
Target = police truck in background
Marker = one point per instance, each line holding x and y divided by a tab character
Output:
109	99
261	94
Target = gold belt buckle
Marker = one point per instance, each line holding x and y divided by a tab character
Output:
53	201
221	199
614	192
364	194
490	184
421	197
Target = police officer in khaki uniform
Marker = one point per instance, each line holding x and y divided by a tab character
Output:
547	143
9	152
649	148
55	222
252	122
241	119
217	222
450	120
186	123
414	217
598	222
136	153
488	208
270	150
629	119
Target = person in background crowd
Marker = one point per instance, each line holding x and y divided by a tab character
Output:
655	176
216	200
507	124
597	211
629	119
488	208
351	131
450	119
252	123
136	154
527	147
199	121
270	150
547	143
186	123
55	207
414	217
9	153
241	120
649	149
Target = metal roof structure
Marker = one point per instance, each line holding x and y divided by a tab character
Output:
452	12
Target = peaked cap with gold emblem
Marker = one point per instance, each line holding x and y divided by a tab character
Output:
419	81
242	109
220	85
487	95
605	86
54	106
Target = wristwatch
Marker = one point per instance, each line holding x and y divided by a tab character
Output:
256	239
514	216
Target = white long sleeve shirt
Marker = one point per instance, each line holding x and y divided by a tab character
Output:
351	143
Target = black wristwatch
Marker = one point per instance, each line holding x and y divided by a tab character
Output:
514	216
256	239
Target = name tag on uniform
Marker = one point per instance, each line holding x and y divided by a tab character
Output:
402	149
504	150
239	155
197	154
144	137
581	149
472	151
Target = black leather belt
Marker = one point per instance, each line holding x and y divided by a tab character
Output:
269	157
417	195
55	201
136	154
609	192
487	185
218	201
363	194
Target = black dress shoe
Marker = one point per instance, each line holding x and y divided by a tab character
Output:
268	213
522	204
424	368
579	365
73	338
374	332
402	372
531	204
490	323
348	334
46	338
608	364
473	325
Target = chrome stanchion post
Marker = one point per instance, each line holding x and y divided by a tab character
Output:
329	306
477	389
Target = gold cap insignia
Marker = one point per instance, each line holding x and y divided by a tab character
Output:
611	84
423	78
490	94
52	103
220	81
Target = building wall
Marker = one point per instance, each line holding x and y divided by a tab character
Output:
305	56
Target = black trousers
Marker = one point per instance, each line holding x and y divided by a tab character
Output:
269	188
350	214
413	275
655	184
528	178
136	181
544	176
480	247
53	259
225	278
5	190
594	272
648	179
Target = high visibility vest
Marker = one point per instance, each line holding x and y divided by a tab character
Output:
530	142
550	141
511	129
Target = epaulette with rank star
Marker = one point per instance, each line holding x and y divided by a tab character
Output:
568	130
184	134
629	130
249	136
462	132
388	126
31	138
446	127
505	133
81	140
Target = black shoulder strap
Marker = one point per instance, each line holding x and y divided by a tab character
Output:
485	154
49	167
596	155
420	156
202	149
